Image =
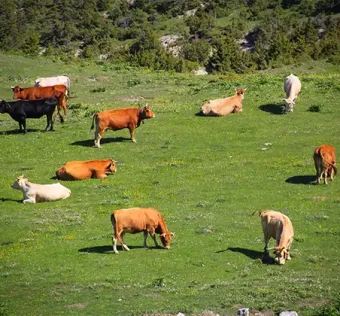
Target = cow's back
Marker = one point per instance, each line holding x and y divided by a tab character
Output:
272	223
117	119
136	219
292	84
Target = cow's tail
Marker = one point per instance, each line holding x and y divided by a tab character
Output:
93	118
330	163
60	116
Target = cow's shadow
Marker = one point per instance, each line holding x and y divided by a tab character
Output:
17	131
252	254
273	108
305	179
10	200
107	249
90	142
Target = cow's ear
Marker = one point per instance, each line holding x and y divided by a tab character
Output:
21	89
172	234
12	88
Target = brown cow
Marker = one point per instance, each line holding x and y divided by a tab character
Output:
325	161
222	107
80	170
118	119
137	220
278	226
35	93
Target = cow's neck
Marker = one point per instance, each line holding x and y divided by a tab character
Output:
161	229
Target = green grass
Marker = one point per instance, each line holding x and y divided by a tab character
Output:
205	174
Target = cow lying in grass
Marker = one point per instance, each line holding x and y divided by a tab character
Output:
80	170
222	107
325	161
137	220
34	193
278	226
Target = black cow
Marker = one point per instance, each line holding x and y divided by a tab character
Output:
21	110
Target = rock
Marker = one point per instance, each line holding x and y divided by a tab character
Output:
288	313
243	312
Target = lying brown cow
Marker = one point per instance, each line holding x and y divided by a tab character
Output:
222	107
325	161
137	220
118	119
80	170
278	226
35	93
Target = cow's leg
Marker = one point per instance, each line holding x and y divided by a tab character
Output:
98	174
121	240
145	236
318	170
288	250
98	135
132	132
325	174
114	244
24	125
153	236
29	198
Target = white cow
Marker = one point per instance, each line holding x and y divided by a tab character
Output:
52	81
34	193
292	87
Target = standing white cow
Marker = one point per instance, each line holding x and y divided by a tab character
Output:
52	81
292	87
34	193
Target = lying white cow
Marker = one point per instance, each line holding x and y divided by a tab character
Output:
52	81
278	226
292	87
222	107
34	193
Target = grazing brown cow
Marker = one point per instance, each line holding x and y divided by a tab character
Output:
278	226
80	170
118	119
325	161
222	107
137	220
35	93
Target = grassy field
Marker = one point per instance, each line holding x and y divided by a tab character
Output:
206	175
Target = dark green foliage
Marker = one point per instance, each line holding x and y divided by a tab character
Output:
278	32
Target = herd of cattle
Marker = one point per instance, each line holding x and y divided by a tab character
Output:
51	93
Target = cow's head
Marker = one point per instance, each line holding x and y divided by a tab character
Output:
281	255
19	183
166	238
146	113
289	104
240	92
4	106
17	92
111	167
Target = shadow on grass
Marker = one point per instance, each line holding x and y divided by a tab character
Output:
252	254
108	249
90	142
10	200
16	131
310	180
272	108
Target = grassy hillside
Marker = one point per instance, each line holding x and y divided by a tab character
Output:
206	175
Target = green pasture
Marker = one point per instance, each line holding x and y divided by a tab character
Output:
206	175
